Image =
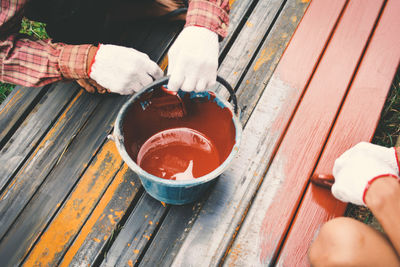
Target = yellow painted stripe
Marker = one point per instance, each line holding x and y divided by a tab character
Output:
97	215
76	209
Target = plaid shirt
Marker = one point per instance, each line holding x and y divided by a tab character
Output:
39	62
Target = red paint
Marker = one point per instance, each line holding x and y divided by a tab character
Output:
211	124
181	151
357	122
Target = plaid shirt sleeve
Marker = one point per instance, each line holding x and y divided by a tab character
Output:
30	62
210	14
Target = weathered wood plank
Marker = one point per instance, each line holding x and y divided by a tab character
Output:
43	159
94	238
15	108
357	121
37	123
135	234
268	56
170	237
91	137
248	40
216	225
270	214
60	181
76	209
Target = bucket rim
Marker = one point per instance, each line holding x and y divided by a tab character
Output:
119	141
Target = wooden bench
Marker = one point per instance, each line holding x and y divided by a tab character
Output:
67	198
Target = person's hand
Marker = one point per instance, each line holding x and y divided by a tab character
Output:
123	70
91	86
193	60
358	167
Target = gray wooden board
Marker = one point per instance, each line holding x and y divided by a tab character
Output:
40	210
237	18
268	57
170	237
240	54
42	160
136	233
15	108
101	234
27	136
187	220
54	174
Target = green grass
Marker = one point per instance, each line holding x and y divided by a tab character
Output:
32	28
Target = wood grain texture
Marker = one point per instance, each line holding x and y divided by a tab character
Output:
76	209
135	234
39	212
223	211
93	240
43	159
268	56
36	124
60	181
16	107
270	214
246	44
356	122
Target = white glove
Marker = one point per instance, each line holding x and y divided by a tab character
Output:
123	70
193	60
358	167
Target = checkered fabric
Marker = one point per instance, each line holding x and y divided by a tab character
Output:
30	62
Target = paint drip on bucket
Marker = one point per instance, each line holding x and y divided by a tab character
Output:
178	154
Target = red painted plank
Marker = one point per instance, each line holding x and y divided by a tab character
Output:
277	199
357	122
223	211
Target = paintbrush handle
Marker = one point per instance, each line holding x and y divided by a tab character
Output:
324	180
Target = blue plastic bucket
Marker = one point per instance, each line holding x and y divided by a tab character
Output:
136	122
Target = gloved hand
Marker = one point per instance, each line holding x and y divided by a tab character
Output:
123	70
193	60
358	167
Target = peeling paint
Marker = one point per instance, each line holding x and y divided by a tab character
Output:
79	205
97	214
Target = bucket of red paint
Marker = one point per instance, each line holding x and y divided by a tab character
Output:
202	142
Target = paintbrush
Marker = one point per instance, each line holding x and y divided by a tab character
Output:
169	106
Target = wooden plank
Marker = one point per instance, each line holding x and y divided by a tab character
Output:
60	181
135	234
94	238
268	56
247	42
15	108
361	110
77	208
238	15
91	136
171	235
270	214
223	211
27	136
45	156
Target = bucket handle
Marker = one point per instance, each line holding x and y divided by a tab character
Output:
221	80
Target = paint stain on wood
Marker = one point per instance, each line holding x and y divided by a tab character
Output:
71	217
97	214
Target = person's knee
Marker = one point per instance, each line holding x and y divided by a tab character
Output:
336	243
